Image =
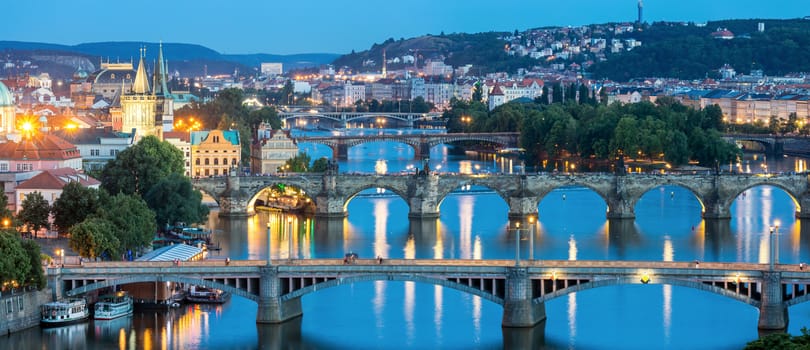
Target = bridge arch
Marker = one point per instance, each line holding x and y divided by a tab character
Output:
445	192
662	187
266	193
393	277
356	191
162	278
654	280
798	300
793	197
642	189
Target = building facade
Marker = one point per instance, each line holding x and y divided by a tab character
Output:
215	152
274	148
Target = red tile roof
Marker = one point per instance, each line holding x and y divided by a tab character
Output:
39	147
55	179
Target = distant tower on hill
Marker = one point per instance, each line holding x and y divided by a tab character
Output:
640	11
383	67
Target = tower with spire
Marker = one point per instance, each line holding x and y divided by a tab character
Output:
640	10
139	106
165	102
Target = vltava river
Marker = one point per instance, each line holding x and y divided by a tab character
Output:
473	225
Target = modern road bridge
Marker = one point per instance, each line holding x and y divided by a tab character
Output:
522	287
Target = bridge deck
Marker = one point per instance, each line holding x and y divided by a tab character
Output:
284	264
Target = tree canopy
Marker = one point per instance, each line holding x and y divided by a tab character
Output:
75	204
95	237
665	131
138	168
20	262
133	222
34	213
174	200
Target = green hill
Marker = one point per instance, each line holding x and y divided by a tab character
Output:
690	52
485	51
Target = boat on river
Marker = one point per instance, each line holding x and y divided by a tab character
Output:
113	306
203	295
60	313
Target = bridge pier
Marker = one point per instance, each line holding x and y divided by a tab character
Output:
522	208
54	275
272	309
804	204
773	313
341	151
423	152
620	208
519	310
233	202
327	203
424	203
524	338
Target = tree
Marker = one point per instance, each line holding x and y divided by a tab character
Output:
174	200
14	264
478	94
74	205
93	238
781	341
320	165
297	164
34	276
133	221
138	168
5	213
34	213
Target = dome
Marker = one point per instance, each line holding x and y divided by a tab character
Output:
80	74
5	96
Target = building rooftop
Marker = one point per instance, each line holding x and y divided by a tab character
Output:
181	252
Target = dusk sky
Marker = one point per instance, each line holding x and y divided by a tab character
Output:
285	27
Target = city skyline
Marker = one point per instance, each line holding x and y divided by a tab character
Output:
332	27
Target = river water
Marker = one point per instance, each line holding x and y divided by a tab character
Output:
473	225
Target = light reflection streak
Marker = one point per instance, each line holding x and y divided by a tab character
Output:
669	252
476	313
122	339
572	319
465	167
381	213
465	220
379	304
477	251
667	312
410	305
572	248
438	309
409	250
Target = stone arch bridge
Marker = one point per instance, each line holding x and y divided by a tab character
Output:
421	143
521	289
331	192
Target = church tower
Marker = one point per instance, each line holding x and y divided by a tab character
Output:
165	102
139	107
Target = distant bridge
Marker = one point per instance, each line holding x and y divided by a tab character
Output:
521	288
342	118
421	143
